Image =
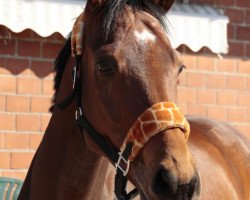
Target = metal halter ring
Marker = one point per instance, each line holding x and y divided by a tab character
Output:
80	112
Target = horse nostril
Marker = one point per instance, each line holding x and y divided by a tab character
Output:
164	184
191	187
194	187
188	191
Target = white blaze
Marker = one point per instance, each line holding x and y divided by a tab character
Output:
144	36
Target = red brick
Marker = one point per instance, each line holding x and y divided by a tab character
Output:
7	84
226	2
16	141
248	114
216	81
206	63
196	79
248	50
17	104
227	98
2	136
196	110
186	95
17	66
45	122
35	140
190	61
248	17
3	69
51	50
40	104
29	48
248	84
21	160
48	87
7	121
27	85
244	99
206	96
5	160
244	66
2	102
244	129
236	115
243	33
15	174
235	15
218	113
8	46
227	65
236	82
236	49
42	68
243	3
28	122
231	31
182	78
183	107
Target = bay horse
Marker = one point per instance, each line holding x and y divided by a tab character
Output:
124	85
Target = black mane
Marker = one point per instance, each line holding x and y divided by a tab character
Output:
112	9
59	66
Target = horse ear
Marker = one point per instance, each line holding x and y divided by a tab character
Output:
96	4
165	4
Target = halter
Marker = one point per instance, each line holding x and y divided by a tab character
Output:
161	116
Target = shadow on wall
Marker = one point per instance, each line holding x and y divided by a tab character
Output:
27	53
26	88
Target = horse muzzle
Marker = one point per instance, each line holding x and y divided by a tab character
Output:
166	186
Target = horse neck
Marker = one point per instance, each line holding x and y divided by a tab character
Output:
83	172
63	160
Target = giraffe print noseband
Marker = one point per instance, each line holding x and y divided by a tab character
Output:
159	117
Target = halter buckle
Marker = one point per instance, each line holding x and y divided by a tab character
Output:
122	164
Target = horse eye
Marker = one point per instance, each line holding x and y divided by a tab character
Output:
181	68
104	67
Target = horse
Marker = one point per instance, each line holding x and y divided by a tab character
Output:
125	76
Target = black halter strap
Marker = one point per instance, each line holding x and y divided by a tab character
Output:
119	159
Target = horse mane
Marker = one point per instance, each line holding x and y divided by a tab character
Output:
112	9
59	66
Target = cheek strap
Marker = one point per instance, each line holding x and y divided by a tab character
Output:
159	117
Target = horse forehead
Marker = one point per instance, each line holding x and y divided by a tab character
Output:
144	36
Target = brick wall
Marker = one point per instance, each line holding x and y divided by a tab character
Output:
212	87
217	88
220	88
238	12
26	87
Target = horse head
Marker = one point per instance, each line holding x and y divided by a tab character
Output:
129	73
